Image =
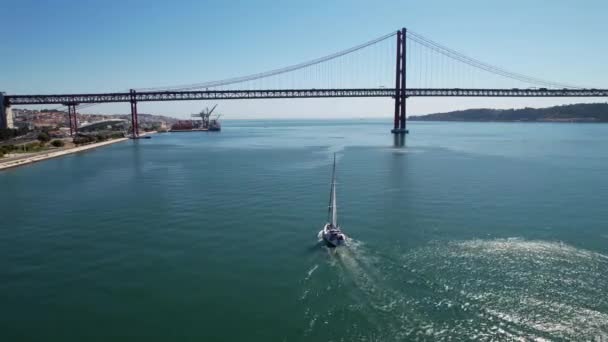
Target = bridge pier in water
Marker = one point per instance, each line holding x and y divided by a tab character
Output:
398	140
399	126
6	114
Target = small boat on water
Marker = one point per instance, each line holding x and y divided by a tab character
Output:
332	234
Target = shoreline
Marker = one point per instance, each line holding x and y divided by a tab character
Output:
54	154
515	121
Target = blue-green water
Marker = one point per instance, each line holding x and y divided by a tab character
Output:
490	231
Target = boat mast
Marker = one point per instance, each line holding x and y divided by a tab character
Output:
334	216
331	212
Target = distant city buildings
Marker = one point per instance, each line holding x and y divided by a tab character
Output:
55	120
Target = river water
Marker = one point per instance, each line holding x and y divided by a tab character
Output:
471	231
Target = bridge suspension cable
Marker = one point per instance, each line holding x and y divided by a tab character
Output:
475	63
371	65
274	72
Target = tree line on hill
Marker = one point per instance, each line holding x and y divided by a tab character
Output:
581	112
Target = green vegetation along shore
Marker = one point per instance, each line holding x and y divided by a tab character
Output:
582	112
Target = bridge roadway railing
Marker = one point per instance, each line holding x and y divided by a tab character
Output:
12	100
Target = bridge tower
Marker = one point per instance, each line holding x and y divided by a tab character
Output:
134	119
6	114
400	120
73	120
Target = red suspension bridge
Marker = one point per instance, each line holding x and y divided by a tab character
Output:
432	69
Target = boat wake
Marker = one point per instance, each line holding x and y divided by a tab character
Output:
310	272
350	289
515	288
501	289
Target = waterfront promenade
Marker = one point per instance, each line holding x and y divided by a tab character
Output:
40	156
32	158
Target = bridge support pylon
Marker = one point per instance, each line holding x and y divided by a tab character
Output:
400	119
6	114
73	120
134	119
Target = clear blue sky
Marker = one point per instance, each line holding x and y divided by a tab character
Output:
94	46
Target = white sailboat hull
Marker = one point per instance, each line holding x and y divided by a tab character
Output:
333	235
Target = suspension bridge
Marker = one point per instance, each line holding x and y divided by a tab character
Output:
398	65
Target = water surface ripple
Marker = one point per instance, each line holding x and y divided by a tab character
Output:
482	232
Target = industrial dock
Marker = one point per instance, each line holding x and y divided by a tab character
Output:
201	122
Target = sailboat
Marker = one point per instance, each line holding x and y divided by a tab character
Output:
331	232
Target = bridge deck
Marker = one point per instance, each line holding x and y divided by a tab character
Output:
294	93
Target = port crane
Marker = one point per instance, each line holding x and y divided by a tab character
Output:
205	115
